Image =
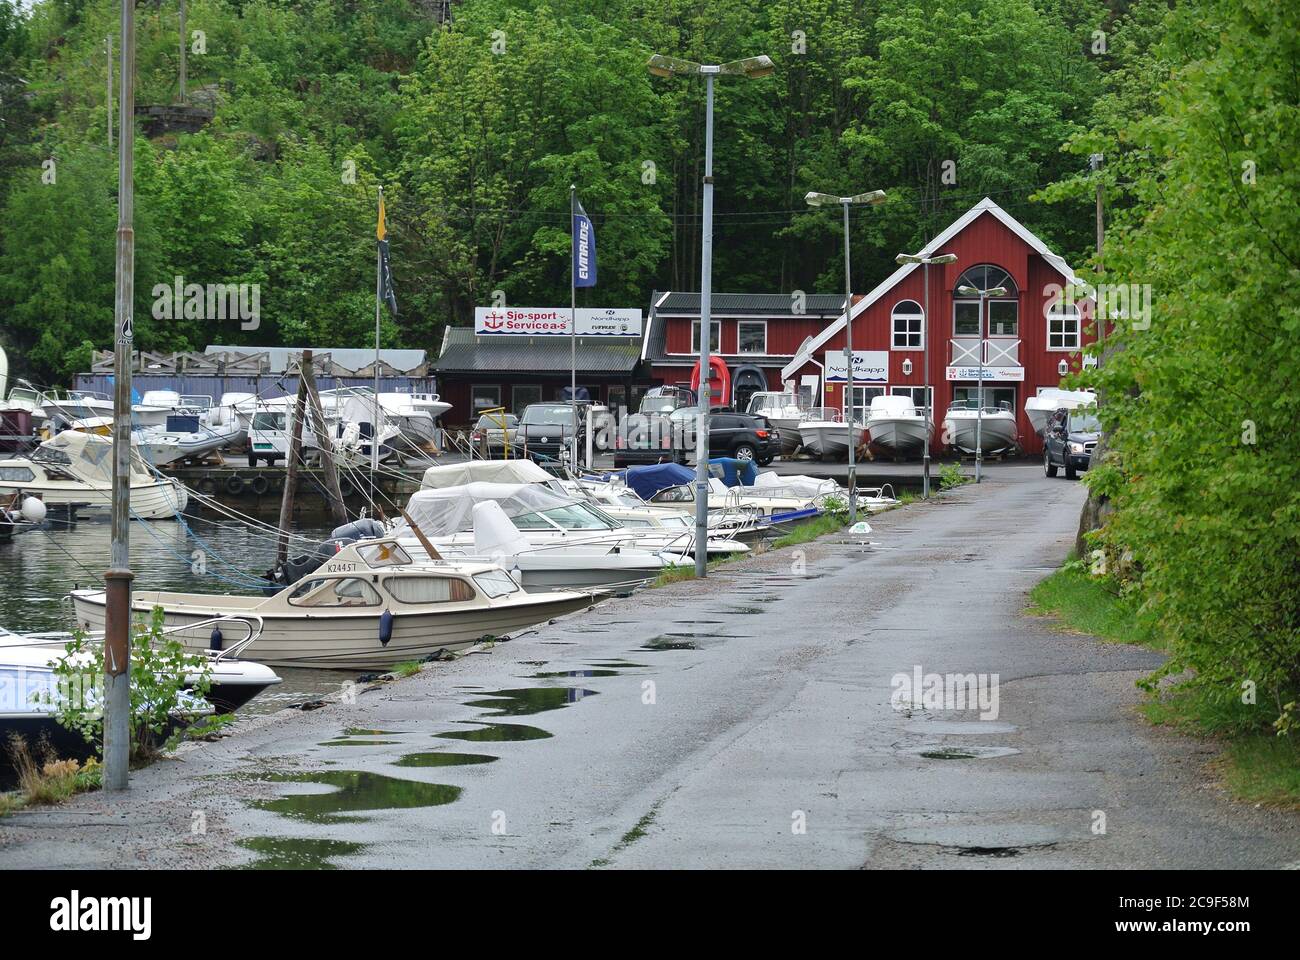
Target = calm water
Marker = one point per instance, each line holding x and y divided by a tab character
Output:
38	568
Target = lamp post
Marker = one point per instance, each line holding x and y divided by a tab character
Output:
752	67
874	198
979	412
925	344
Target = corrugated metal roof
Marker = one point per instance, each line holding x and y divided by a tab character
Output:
350	357
464	352
752	304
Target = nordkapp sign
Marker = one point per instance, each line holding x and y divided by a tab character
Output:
547	321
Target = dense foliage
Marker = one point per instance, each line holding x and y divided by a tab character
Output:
477	127
1201	133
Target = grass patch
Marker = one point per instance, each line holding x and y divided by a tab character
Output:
47	780
639	830
407	668
819	527
1092	605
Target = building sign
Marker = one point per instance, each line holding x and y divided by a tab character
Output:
869	366
990	373
547	321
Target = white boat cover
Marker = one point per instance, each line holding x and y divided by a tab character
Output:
484	471
89	456
796	486
892	406
449	510
494	534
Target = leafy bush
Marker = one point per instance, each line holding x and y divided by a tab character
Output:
161	687
950	475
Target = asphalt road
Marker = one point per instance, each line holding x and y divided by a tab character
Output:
756	731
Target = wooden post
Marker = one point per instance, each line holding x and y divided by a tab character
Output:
294	455
338	513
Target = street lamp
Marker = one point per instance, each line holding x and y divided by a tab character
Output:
925	344
873	198
752	67
979	413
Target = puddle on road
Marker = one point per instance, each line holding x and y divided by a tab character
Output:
962	753
437	759
560	674
357	743
497	733
357	790
665	643
296	853
525	701
363	732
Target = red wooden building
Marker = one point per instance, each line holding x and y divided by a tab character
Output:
1027	337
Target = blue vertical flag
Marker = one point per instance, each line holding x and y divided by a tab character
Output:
584	249
385	270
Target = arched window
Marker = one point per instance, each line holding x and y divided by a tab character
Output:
1003	312
909	325
1063	325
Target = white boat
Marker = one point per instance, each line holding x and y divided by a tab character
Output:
370	606
415	415
163	445
897	427
824	433
77	469
70	405
783	411
996	427
819	491
1039	409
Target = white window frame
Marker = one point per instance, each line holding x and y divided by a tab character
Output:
906	390
477	387
860	411
751	323
695	337
895	316
1078	328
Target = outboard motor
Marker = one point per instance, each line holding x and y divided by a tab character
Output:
363	529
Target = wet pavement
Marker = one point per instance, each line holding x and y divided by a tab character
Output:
769	717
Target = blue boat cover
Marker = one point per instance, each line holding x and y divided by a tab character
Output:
736	473
650	479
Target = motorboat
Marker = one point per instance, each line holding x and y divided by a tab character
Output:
824	433
625	505
896	427
231	682
784	411
76	469
370	606
415	415
64	405
188	436
995	425
1039	409
820	491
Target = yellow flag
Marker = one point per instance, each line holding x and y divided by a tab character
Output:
382	231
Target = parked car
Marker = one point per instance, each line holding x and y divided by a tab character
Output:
491	433
546	429
1069	440
745	436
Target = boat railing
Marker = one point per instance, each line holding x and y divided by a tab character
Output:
252	622
833	414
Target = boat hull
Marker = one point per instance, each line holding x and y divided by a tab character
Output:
340	640
997	432
790	437
902	436
826	440
152	501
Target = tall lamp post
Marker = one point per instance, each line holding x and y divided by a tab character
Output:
979	412
752	67
874	198
925	344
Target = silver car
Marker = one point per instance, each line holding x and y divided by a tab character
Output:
490	435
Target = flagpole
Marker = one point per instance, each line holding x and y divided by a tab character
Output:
379	297
573	322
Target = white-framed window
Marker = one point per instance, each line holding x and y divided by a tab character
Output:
1003	314
484	398
751	336
862	400
715	336
917	395
1063	325
908	325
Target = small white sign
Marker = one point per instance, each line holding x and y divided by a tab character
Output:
869	366
554	321
990	373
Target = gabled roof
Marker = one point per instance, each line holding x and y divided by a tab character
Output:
722	305
933	247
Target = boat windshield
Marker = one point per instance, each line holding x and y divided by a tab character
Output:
385	553
570	516
448	510
496	583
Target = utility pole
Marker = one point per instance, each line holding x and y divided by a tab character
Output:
295	454
117	580
183	51
323	442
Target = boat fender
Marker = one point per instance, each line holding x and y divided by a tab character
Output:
234	485
216	641
386	627
260	485
207	486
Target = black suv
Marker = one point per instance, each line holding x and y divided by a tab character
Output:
1069	440
745	436
545	429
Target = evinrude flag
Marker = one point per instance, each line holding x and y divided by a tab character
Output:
584	249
